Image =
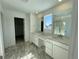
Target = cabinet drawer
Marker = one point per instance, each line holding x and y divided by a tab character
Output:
61	45
48	45
59	53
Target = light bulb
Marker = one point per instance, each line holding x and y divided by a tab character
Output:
59	0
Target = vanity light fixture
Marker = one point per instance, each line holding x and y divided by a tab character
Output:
59	0
25	0
64	23
36	12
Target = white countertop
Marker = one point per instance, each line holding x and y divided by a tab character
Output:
49	37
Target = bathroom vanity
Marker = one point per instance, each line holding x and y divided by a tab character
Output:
56	33
57	48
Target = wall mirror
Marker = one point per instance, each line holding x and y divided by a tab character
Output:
48	23
62	25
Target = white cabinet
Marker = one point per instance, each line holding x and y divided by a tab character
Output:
56	50
59	52
49	51
41	42
48	45
49	48
36	40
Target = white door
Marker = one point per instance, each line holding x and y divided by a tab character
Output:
59	53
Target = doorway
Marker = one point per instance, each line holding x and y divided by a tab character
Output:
19	29
42	25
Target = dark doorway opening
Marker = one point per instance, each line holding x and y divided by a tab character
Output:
19	29
42	25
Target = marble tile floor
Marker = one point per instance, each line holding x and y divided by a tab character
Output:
25	51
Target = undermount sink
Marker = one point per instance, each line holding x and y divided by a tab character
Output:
60	36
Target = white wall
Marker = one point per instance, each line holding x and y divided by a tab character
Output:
1	35
74	36
34	23
0	8
1	38
9	29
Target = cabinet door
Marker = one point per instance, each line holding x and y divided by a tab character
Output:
48	45
41	42
49	52
36	41
59	53
49	48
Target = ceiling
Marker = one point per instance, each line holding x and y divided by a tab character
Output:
29	5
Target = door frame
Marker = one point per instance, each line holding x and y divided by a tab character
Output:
73	51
